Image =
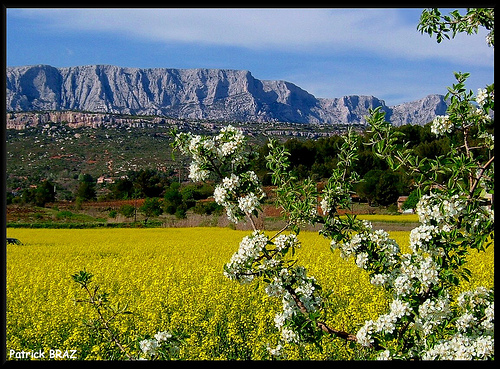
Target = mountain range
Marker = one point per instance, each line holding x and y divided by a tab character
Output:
213	94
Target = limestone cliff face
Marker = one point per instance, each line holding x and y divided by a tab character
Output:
218	94
423	110
73	119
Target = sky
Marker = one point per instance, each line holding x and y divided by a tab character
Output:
329	52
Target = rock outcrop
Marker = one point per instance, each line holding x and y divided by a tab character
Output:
423	110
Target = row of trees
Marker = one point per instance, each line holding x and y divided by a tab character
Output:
380	184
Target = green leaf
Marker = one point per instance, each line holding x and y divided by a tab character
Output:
82	277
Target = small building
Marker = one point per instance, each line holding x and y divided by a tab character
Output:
103	179
401	200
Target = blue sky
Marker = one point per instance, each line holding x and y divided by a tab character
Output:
328	52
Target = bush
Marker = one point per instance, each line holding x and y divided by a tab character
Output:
127	210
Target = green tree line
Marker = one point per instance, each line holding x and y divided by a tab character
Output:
380	185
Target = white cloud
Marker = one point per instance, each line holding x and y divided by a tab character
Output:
377	31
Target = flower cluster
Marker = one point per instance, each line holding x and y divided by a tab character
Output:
290	320
284	242
324	205
240	195
384	324
225	148
441	125
231	140
482	96
431	313
367	241
415	275
240	191
196	173
240	267
439	210
333	195
478	311
441	215
150	346
421	238
462	347
474	338
258	255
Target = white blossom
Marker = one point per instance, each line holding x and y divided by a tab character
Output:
464	321
275	351
248	203
428	272
384	355
149	346
379	279
441	125
363	336
250	248
196	173
285	241
163	336
324	204
362	259
400	308
289	335
460	347
231	183
220	194
402	285
482	96
385	323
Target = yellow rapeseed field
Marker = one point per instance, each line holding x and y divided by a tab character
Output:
171	279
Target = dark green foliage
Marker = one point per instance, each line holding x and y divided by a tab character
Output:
386	190
411	201
86	189
367	188
380	185
178	199
146	183
44	193
172	198
152	207
40	194
121	189
208	208
127	210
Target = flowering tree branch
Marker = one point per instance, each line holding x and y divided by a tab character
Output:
422	314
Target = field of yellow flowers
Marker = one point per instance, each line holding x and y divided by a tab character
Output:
172	280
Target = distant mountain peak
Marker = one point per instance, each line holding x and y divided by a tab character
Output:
201	93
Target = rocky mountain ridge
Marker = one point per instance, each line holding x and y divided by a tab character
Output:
212	94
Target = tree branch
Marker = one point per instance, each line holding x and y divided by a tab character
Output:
481	172
321	325
93	302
